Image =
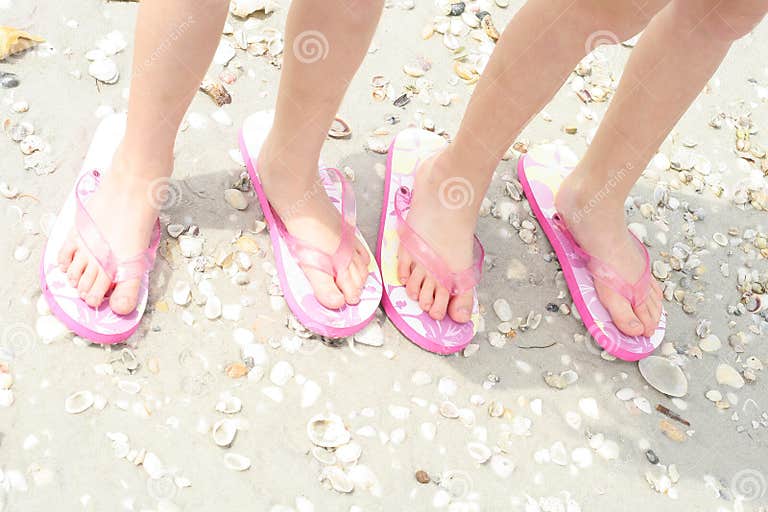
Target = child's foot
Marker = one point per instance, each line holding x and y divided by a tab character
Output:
601	231
124	211
449	230
298	197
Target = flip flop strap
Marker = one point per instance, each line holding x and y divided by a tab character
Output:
606	273
455	282
91	236
308	256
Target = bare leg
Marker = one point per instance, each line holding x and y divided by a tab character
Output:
324	53
175	41
537	51
692	36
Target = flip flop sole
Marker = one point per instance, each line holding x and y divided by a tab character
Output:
298	293
408	150
101	324
541	171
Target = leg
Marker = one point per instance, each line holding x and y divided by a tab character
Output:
326	52
689	35
175	41
543	31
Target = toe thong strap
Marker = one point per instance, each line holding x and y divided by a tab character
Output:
455	282
309	256
90	235
606	273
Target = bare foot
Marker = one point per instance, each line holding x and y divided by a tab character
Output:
125	213
449	231
299	199
602	231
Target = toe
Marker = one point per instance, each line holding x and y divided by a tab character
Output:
66	253
413	286
427	293
326	291
643	312
460	307
437	311
87	279
77	267
404	262
349	284
98	289
365	256
125	297
621	313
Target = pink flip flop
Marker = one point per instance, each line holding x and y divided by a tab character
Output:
101	324
408	150
541	172
289	252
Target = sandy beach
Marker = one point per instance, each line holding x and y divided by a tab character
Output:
534	418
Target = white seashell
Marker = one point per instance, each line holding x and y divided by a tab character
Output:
78	402
470	19
399	412
349	453
710	344
449	410
589	407
104	70
229	404
152	465
479	452
281	373
625	394
213	308
6	380
447	386
220	116
502	466
428	431
310	392
372	335
728	376
323	456
642	403
327	430
174	230
236	199
129	386
191	246
609	450
503	310
663	375
224	432
236	462
558	454
20	106
50	328
340	481
582	457
181	293
714	395
421	378
21	253
225	52
8	191
244	337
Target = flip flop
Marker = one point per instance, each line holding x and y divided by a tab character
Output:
541	172
289	252
408	150
100	324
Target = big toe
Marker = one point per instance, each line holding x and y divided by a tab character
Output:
460	307
621	313
125	297
326	291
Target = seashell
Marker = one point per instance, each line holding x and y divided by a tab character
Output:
229	405
728	376
327	431
487	23
191	246
713	395
50	328
414	71
562	380
503	310
6	380
13	40
625	394
281	373
8	80
663	375
78	402
372	335
349	453
182	293
216	91
339	129
502	3
6	400
323	456
449	410
465	72
224	432
502	466
104	70
479	452
20	106
21	253
129	386
8	191
470	19
236	462
30	144
212	308
377	145
152	465
720	239
710	344
174	230
340	481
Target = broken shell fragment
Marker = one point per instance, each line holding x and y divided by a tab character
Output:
663	375
327	430
13	41
78	402
216	91
340	129
728	376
